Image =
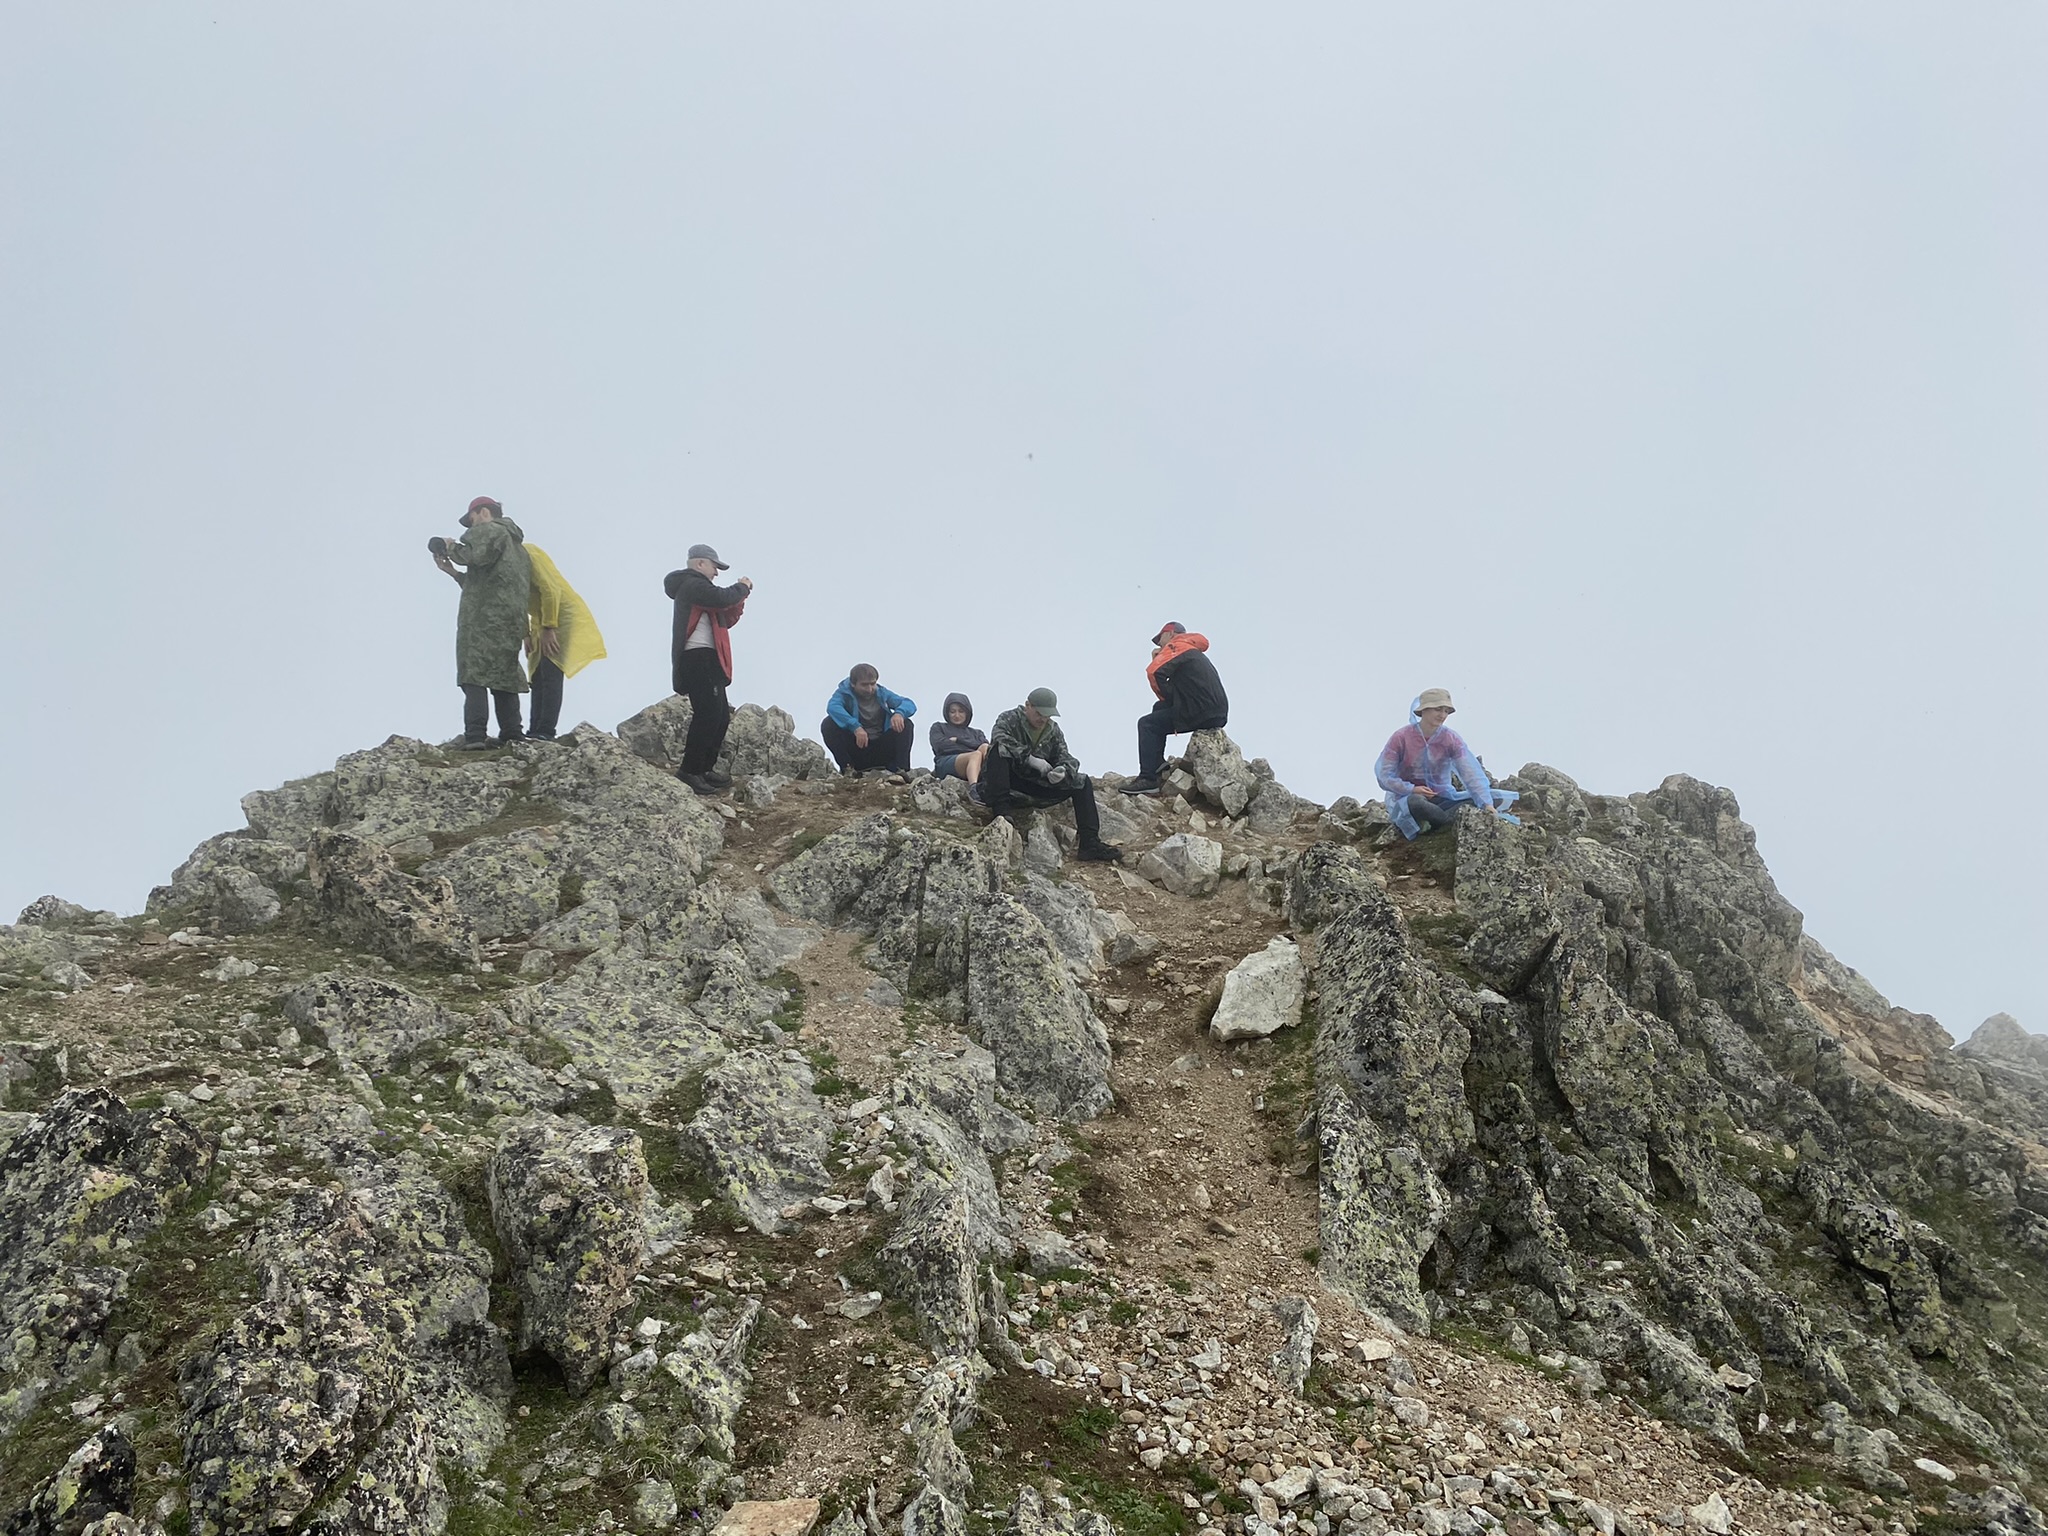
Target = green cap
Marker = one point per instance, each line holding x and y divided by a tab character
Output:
1044	700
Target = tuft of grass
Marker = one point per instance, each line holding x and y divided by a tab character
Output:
825	1079
789	1018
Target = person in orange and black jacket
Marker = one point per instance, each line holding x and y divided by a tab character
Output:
1191	698
702	657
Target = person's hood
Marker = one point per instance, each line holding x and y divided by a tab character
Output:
510	527
946	709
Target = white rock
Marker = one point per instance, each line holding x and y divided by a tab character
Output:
1290	1486
1412	1412
1152	1456
1934	1468
1262	994
1712	1515
1369	1350
1186	864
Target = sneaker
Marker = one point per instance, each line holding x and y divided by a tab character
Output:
1144	784
512	741
698	782
1100	853
974	793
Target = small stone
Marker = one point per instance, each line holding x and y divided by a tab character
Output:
617	1424
769	1517
1262	994
1934	1468
1711	1515
654	1504
1291	1486
1412	1411
1368	1351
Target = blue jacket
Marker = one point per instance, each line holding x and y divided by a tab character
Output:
845	707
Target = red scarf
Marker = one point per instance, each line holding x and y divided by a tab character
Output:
722	621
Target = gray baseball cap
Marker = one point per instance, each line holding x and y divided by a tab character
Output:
706	552
1044	700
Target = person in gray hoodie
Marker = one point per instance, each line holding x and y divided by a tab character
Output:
958	749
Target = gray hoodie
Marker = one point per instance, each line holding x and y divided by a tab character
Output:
949	740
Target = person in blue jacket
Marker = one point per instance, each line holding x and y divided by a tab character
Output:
867	726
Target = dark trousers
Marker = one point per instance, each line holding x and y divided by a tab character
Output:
1001	791
885	749
547	700
476	720
704	683
1433	813
1153	729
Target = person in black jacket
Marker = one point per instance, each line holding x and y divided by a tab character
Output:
702	657
1190	695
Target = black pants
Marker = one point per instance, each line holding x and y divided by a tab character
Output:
1153	729
1433	813
1001	792
476	716
885	749
547	700
704	681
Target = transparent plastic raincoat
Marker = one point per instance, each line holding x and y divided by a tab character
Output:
1441	762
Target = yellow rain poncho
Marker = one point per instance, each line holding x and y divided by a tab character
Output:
553	604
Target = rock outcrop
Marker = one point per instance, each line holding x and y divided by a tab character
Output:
1615	1054
569	1206
80	1185
513	1140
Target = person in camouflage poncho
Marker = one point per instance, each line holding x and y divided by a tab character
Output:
490	626
1029	765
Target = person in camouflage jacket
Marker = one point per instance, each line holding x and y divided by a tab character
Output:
1030	765
490	626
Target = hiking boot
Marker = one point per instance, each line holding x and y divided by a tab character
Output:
1100	853
473	744
722	780
513	741
699	782
1143	784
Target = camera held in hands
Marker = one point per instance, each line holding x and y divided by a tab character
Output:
438	547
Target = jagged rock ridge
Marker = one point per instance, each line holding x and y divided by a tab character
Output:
517	1143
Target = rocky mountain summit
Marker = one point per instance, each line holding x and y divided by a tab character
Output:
512	1141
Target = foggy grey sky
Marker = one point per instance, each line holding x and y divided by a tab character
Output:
1668	383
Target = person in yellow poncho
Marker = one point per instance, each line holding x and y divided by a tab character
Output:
561	640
